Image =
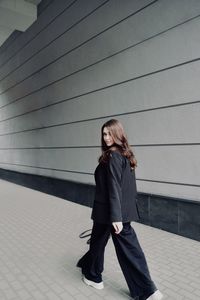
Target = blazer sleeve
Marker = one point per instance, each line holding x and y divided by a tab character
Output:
114	186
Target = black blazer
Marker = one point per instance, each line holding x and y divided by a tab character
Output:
115	193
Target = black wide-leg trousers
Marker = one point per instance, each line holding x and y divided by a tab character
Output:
130	256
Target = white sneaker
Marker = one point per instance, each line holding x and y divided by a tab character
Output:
98	286
155	296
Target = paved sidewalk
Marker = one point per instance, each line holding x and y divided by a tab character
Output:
40	245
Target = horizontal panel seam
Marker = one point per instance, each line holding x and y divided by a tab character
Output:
97	118
95	63
38	33
89	173
119	114
96	147
50	2
39	70
169	182
10	44
75	48
6	47
114	84
45	168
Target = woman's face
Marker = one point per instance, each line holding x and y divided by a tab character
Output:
107	137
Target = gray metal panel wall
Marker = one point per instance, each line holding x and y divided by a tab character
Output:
84	62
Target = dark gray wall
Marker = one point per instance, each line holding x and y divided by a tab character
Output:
83	62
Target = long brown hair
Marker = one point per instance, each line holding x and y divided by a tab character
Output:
120	142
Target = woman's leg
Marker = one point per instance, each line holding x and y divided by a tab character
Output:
92	262
133	263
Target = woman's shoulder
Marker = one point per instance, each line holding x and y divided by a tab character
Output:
116	155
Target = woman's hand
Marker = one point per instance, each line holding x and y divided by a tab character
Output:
118	226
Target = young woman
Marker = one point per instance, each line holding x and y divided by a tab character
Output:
113	210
